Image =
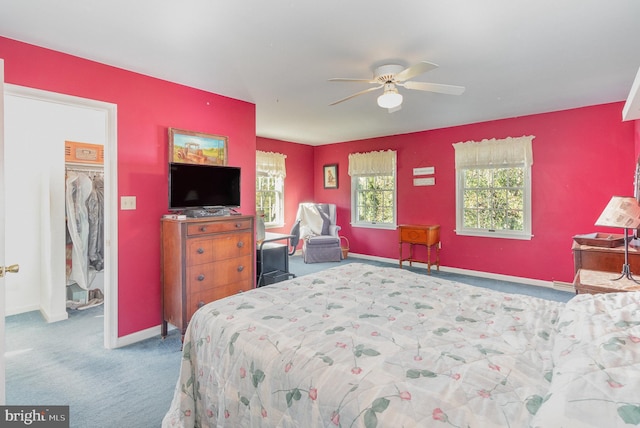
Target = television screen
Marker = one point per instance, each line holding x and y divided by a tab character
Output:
203	186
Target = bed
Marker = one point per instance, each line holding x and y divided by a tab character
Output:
365	346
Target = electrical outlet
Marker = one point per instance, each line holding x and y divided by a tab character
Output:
127	202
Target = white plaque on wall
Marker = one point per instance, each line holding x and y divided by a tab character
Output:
426	181
426	170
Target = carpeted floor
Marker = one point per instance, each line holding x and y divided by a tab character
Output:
65	363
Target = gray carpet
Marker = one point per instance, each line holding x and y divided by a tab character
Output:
65	363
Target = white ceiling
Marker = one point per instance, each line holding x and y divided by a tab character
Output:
515	57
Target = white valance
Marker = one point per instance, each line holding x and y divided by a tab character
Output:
271	163
372	163
488	153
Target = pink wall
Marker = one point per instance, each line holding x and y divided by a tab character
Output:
637	138
146	108
581	158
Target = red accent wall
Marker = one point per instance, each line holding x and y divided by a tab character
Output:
581	158
637	138
146	108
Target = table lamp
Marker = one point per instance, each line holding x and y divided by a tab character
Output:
623	212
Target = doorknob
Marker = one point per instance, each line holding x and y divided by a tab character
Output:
12	269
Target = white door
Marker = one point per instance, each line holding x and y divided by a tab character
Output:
2	392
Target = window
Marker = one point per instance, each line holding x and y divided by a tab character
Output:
493	188
373	189
270	174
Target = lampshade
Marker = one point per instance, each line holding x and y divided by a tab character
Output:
621	211
390	98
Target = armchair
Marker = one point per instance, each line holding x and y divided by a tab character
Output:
319	232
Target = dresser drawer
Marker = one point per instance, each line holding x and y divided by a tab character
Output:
195	229
218	247
196	300
420	235
218	273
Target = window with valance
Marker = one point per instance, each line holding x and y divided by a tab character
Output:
270	174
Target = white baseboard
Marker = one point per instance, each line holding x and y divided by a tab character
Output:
564	286
55	317
138	336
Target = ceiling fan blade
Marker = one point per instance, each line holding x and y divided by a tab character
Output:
414	70
346	79
435	87
356	94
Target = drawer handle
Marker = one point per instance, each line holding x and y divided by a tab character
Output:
201	277
240	244
238	225
200	304
240	268
200	250
203	228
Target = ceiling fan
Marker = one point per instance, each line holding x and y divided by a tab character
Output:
389	76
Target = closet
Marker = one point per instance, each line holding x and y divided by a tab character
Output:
84	219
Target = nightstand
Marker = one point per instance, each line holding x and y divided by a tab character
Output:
417	234
595	281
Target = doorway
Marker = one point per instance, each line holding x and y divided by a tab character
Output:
38	205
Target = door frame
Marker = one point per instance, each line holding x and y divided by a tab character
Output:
110	195
2	246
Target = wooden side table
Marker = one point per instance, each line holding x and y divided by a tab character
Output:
604	259
595	281
416	234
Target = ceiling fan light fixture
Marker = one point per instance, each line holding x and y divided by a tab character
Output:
390	98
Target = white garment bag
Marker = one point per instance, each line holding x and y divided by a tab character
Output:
78	189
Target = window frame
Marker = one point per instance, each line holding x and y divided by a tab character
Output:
279	182
525	234
354	203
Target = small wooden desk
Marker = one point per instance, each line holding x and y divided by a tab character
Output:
595	281
416	234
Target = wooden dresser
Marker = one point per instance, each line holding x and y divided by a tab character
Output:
417	234
204	259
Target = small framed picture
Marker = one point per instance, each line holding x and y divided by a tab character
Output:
331	176
196	147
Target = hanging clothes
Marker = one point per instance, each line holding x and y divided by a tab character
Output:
95	207
85	224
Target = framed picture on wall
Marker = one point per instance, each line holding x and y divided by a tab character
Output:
197	148
331	176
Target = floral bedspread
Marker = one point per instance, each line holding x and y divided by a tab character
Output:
596	354
361	346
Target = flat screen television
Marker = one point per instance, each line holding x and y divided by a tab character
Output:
203	186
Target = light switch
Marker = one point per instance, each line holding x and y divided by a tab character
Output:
127	202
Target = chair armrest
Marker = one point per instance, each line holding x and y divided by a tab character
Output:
334	229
